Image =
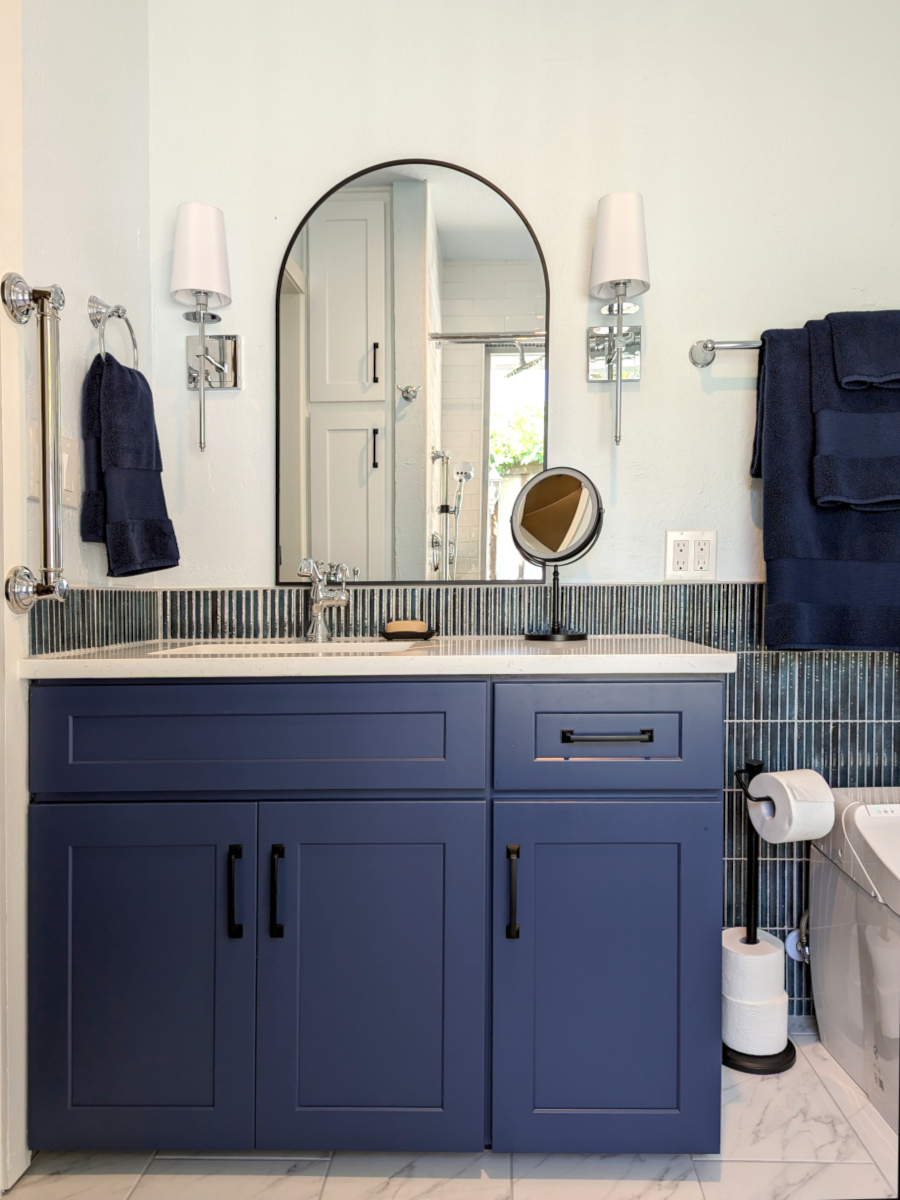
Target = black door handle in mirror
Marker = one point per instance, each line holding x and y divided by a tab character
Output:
568	737
374	447
512	853
374	362
234	930
275	930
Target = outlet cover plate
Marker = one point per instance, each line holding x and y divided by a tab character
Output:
681	561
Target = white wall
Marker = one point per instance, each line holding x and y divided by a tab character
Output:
762	137
87	205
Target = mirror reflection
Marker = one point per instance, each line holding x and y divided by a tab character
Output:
412	363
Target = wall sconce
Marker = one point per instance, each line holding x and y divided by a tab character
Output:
200	278
619	268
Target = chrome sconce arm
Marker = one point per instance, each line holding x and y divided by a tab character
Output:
20	301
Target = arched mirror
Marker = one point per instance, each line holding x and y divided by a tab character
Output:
412	379
556	518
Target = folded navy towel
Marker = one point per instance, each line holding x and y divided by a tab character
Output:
866	348
123	503
857	443
833	574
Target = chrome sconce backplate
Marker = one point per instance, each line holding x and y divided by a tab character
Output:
602	352
222	358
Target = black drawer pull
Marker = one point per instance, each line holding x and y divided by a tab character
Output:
375	448
234	930
275	930
374	362
569	738
512	853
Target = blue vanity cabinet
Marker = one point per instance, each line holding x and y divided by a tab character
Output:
371	985
142	957
606	997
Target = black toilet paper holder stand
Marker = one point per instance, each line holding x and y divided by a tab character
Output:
754	1064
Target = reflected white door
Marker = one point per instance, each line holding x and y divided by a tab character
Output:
348	491
347	278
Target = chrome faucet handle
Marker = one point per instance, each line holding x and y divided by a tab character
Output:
314	569
356	574
338	573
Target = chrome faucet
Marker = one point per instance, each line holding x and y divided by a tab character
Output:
328	590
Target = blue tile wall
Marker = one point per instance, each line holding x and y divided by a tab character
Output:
835	711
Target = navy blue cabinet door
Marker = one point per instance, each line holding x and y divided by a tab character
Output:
607	1006
371	984
141	1026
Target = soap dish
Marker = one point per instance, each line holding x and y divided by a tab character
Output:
409	635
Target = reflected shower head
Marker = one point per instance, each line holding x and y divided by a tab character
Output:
464	472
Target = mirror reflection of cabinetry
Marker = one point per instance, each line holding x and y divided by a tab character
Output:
412	378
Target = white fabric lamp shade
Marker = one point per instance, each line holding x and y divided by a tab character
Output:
620	246
200	260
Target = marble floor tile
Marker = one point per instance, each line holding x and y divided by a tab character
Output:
376	1176
604	1177
868	1123
783	1118
81	1176
237	1179
245	1155
791	1181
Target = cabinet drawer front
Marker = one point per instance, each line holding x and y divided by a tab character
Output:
616	736
258	737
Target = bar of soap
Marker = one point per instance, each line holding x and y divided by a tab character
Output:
405	627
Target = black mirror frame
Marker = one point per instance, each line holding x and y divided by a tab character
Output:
400	162
587	542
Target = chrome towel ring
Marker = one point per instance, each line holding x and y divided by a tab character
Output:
100	312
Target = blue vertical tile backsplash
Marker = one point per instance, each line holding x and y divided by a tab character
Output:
835	711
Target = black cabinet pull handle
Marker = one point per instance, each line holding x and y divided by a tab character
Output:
569	738
275	930
374	362
512	853
234	930
375	448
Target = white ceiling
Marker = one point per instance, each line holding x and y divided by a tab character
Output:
473	221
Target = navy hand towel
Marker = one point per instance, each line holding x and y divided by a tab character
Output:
857	451
123	503
833	574
866	348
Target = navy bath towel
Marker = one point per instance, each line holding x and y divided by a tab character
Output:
833	574
866	348
857	453
123	503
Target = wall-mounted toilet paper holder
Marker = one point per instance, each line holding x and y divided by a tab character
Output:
754	1064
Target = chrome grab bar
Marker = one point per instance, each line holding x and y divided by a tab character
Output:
20	301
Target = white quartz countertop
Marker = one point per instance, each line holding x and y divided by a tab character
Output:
650	654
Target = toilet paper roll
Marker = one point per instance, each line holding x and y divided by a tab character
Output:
797	807
752	973
755	1028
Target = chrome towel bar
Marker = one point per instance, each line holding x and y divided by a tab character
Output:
703	353
20	301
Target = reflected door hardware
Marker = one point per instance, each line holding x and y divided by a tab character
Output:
409	393
200	278
222	356
512	853
703	353
23	587
619	268
603	360
375	449
374	362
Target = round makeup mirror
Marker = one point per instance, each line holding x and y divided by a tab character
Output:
556	518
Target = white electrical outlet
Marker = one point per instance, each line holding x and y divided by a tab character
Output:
34	462
69	464
690	554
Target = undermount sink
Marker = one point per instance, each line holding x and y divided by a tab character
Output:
271	649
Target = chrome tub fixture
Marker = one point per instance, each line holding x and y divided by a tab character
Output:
619	268
20	301
328	590
200	278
